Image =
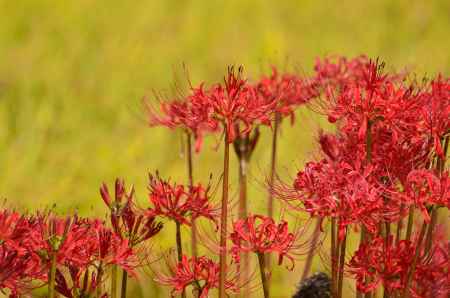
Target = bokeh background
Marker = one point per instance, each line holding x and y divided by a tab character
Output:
73	73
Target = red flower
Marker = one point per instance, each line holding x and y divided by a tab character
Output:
424	188
201	273
261	235
128	222
236	104
82	283
177	203
382	261
186	113
286	90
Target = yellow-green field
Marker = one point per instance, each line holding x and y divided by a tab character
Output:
73	73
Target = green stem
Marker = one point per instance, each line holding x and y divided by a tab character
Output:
262	269
179	247
341	264
124	284
99	279
414	261
52	276
311	251
334	256
224	217
410	223
273	163
243	271
114	281
189	164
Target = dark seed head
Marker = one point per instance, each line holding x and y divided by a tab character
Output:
315	286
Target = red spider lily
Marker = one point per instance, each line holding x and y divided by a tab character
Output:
200	272
66	237
18	270
382	261
435	111
424	188
108	249
375	263
175	202
236	104
185	113
431	277
82	283
261	235
339	190
287	90
128	222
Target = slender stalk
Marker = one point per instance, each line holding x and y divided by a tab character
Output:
179	247
364	236
262	269
114	281
310	256
243	271
334	256
398	235
414	261
434	212
341	264
189	165
99	288
410	223
223	218
52	276
273	163
123	290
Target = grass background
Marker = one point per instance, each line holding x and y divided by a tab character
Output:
72	75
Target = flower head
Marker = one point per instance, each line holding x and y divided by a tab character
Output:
200	272
261	235
178	203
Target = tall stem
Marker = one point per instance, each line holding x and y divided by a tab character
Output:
123	290
179	247
434	212
52	276
262	269
114	281
364	234
414	261
273	163
334	256
410	223
189	164
398	235
99	279
243	271
224	217
310	256
341	264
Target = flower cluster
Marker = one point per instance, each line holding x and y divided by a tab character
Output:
179	203
201	273
260	234
29	244
382	261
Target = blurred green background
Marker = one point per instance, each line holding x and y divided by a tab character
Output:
72	75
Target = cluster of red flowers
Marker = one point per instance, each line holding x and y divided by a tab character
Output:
237	105
382	261
384	163
84	247
386	158
179	203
